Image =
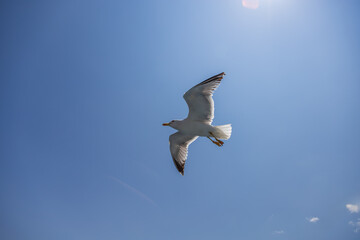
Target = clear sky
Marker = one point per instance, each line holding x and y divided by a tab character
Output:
85	86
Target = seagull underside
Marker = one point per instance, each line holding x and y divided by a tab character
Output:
198	122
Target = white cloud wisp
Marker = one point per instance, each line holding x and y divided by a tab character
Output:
353	208
356	225
313	219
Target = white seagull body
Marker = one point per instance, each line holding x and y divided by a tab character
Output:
198	121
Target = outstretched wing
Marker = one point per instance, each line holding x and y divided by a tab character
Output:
179	149
199	99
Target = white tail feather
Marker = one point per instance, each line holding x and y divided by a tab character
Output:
223	131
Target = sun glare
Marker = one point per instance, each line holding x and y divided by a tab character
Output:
251	4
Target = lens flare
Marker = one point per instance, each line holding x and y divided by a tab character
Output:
251	4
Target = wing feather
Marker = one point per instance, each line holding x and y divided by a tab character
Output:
179	149
199	99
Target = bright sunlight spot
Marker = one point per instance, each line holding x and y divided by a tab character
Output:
252	4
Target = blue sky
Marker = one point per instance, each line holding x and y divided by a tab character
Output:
85	86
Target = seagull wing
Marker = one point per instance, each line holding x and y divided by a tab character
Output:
179	149
199	99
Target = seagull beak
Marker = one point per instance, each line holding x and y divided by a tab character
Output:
166	124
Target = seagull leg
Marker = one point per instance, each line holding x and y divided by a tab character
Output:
219	141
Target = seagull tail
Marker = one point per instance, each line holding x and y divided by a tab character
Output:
223	131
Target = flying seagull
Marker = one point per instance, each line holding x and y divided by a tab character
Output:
198	122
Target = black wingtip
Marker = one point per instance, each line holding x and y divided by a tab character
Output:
217	77
179	167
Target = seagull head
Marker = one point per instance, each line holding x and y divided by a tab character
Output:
173	124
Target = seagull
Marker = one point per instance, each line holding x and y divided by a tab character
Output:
198	122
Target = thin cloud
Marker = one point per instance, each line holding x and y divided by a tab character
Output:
313	219
353	208
134	190
356	225
279	232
